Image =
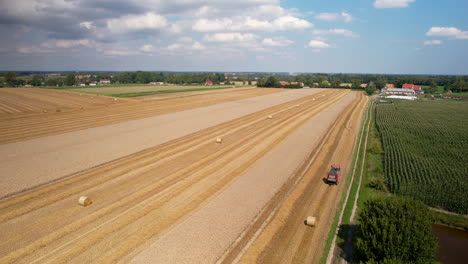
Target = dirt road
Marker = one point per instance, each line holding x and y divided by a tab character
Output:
141	197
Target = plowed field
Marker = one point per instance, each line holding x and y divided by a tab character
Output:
141	197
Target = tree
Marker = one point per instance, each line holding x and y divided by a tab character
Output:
356	84
431	89
71	79
370	89
395	228
36	80
261	82
325	84
399	82
336	83
10	78
272	81
379	84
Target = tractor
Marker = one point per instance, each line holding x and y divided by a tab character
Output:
334	174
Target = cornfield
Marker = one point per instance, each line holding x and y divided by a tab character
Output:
426	151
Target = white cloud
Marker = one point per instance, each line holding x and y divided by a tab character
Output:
183	45
31	50
250	24
450	32
87	24
392	3
336	31
318	44
147	48
207	25
67	43
148	21
229	37
277	42
433	42
290	22
343	16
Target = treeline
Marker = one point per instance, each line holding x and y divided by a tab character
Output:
449	82
11	79
354	81
173	78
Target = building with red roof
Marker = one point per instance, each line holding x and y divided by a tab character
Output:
208	82
406	89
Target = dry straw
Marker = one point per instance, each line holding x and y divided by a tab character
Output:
311	220
84	201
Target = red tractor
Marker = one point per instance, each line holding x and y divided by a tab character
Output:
334	174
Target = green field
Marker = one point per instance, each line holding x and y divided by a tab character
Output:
425	147
439	88
459	94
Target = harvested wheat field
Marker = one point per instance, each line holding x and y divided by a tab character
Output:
192	93
27	100
164	191
27	126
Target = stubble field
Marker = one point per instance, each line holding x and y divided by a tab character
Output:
185	198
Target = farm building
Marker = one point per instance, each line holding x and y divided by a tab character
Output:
417	89
398	91
407	89
104	81
208	82
283	83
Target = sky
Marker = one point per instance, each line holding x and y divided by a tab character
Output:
333	36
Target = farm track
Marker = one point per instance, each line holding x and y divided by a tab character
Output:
278	234
15	128
140	196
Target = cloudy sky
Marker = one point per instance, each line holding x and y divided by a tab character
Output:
358	36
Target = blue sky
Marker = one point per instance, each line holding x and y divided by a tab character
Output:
359	36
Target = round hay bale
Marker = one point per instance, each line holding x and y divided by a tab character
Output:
310	221
45	111
219	140
84	201
270	117
313	99
115	99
